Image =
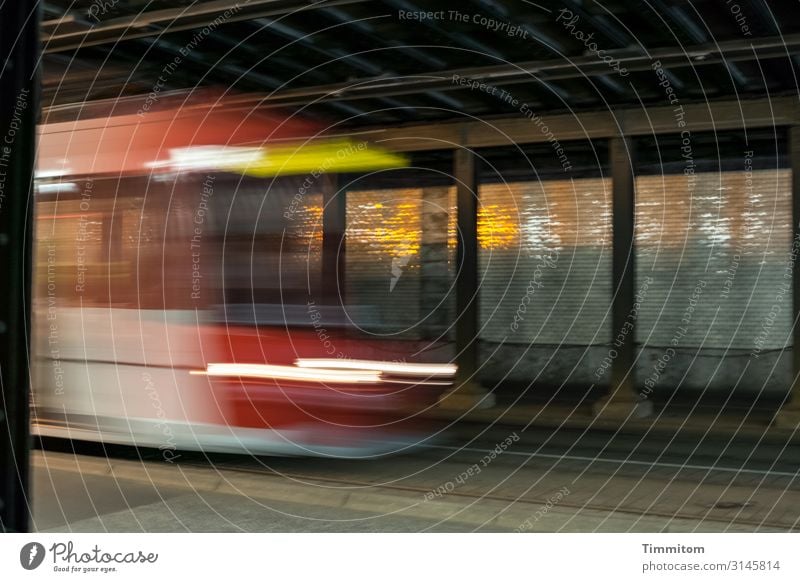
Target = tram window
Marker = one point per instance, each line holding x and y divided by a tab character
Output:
272	238
70	267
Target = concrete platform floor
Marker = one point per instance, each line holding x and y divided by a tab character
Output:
540	482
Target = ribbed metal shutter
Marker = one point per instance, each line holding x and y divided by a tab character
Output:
545	261
384	239
713	261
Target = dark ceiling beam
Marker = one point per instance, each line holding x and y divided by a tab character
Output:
686	23
365	29
763	13
58	21
543	70
554	93
463	41
306	39
601	24
697	33
501	12
285	65
204	66
156	22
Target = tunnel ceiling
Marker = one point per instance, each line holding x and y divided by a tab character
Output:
367	63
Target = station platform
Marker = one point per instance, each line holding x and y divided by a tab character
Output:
462	484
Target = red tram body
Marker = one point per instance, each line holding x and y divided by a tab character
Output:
178	306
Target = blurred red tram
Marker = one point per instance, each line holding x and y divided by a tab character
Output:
177	303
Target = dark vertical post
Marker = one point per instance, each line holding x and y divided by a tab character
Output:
621	399
624	283
18	112
467	392
466	173
334	227
794	152
789	414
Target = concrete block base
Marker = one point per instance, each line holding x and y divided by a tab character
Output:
623	410
788	418
467	397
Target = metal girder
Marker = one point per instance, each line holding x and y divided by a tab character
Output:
154	22
608	28
518	129
463	39
543	70
367	31
501	12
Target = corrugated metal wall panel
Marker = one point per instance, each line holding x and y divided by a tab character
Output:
384	237
545	261
717	260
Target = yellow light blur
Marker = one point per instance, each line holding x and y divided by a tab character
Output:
389	228
498	228
320	157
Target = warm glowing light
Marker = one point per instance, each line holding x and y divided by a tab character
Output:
385	229
273	372
208	157
310	236
400	368
43	174
497	227
57	187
